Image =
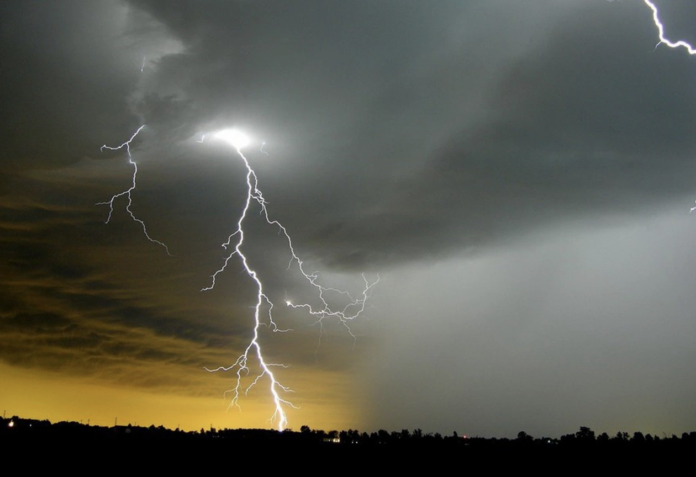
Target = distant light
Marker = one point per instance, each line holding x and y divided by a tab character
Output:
234	138
10	424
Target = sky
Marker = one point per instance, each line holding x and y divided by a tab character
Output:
517	174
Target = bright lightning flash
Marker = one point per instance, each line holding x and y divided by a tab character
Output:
127	193
355	307
234	138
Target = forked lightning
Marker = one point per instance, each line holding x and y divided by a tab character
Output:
349	312
127	193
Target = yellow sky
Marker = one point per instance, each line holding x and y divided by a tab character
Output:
47	395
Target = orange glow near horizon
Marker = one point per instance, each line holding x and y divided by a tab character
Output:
43	395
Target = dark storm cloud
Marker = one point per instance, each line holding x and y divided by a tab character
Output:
64	77
342	99
571	131
63	312
381	113
79	297
563	128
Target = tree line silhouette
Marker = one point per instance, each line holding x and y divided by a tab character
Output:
16	429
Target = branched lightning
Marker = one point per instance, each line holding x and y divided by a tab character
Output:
127	193
346	314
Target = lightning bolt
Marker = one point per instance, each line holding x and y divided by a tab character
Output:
349	312
661	32
665	41
127	193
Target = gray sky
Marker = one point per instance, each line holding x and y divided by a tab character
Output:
518	173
